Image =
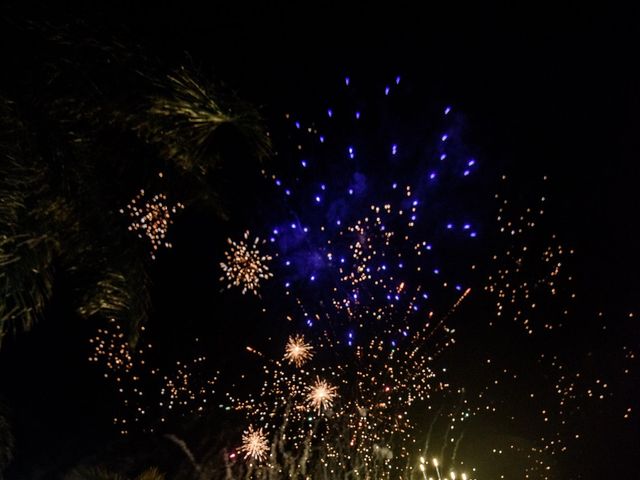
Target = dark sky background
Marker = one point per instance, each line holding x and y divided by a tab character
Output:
547	90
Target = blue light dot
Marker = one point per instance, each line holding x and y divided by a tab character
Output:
400	265
305	229
338	222
398	80
275	231
466	226
350	334
287	285
346	81
413	217
351	191
449	226
297	124
394	186
350	343
287	263
278	182
466	172
321	139
287	192
312	278
432	175
384	267
415	202
386	90
429	247
447	110
317	199
272	239
458	287
471	162
303	163
293	225
357	115
444	137
393	343
394	149
443	156
473	234
436	271
342	260
330	113
425	295
323	186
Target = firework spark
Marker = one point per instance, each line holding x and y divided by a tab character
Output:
152	218
529	273
254	444
321	395
297	351
148	393
244	265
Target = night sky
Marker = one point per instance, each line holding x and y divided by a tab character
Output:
542	92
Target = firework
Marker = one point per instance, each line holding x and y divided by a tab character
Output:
255	444
244	265
359	256
425	466
151	219
379	385
527	273
149	394
298	351
321	395
360	251
374	268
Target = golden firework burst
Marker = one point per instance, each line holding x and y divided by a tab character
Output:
255	444
321	395
244	265
152	218
297	351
